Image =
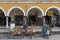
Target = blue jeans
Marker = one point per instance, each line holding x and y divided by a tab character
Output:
43	33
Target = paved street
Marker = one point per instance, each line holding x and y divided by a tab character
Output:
53	37
5	36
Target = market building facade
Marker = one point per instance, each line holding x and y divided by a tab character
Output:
16	11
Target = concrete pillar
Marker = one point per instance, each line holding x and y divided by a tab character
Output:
7	22
43	19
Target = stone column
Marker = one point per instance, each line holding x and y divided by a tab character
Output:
7	22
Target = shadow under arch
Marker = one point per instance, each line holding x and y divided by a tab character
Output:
15	15
2	17
13	8
35	14
52	15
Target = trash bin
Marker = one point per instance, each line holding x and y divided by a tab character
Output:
12	26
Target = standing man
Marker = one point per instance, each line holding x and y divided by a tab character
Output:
25	23
44	29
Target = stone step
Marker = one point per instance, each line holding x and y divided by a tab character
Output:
36	29
39	29
4	30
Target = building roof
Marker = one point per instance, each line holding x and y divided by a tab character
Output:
31	1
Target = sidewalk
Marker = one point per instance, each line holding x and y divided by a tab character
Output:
52	37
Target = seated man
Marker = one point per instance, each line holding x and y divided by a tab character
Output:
29	30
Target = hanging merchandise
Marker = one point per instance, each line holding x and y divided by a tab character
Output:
50	13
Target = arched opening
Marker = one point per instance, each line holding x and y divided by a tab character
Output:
16	16
35	16
52	16
2	18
